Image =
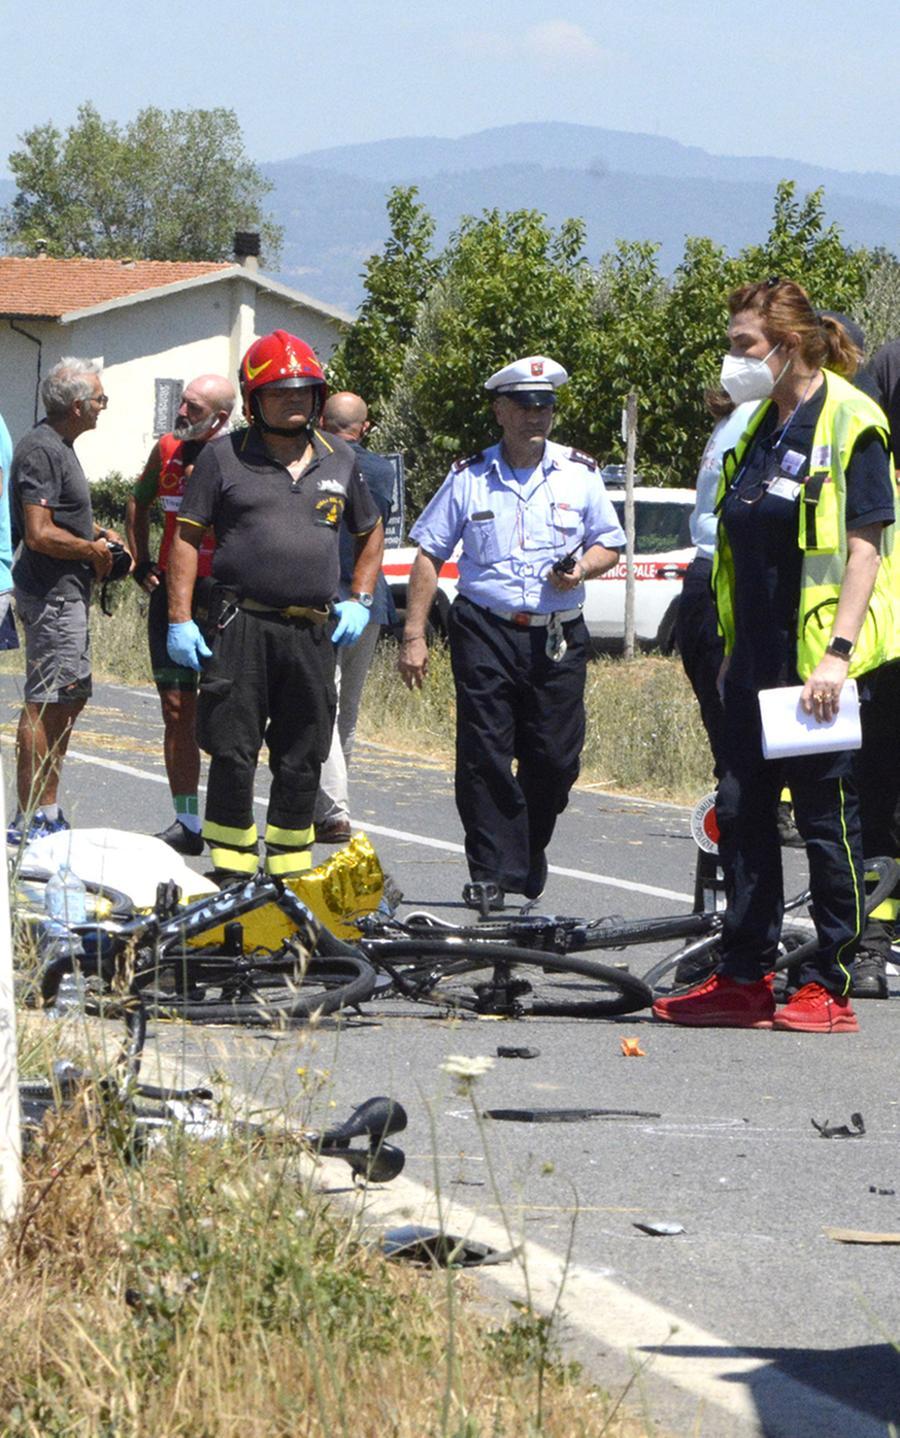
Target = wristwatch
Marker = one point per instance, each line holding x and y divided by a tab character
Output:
362	598
843	648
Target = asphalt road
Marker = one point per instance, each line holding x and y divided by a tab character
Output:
777	1328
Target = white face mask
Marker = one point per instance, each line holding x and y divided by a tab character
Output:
744	378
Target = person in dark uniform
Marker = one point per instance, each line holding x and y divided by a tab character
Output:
878	762
203	414
274	496
803	580
534	522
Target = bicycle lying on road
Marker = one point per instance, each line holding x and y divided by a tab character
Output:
516	966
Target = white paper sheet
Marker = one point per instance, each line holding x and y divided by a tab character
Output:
788	732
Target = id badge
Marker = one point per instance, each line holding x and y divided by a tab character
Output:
784	488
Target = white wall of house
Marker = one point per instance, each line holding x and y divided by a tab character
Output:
174	337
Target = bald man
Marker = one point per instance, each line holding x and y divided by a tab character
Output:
346	415
203	415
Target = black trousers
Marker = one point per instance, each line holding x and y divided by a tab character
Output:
515	706
878	775
701	649
826	809
269	680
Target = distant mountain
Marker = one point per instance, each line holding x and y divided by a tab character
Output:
625	186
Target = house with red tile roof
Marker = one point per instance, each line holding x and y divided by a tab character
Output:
153	324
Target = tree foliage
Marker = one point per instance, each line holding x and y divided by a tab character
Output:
433	327
171	185
370	359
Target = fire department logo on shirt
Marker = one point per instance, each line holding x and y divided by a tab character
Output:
329	511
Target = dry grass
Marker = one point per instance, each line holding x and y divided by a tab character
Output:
644	733
210	1292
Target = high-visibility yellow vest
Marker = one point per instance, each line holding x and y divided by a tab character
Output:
846	414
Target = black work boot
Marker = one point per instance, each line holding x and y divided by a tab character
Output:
868	975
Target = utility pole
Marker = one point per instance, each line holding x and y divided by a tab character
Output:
10	1130
629	434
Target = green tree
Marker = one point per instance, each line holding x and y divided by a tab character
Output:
507	285
371	357
171	185
880	309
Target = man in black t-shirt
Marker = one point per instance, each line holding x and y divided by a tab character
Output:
274	496
883	370
62	552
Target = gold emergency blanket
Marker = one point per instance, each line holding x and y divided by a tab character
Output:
350	883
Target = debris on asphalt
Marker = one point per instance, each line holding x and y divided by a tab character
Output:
860	1235
631	1049
827	1130
562	1115
660	1230
507	1051
430	1248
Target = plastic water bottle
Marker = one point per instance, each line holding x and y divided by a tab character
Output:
65	900
69	996
65	897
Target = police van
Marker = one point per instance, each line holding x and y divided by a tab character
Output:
662	553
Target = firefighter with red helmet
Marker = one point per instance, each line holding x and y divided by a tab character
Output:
274	496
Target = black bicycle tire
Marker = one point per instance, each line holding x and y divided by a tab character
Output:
467	957
328	985
789	931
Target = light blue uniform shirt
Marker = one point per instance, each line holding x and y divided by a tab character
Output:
6	451
725	436
513	526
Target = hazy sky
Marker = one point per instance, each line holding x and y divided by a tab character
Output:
815	80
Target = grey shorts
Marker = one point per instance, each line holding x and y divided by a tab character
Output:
57	649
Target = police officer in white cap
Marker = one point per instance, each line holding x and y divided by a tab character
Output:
534	522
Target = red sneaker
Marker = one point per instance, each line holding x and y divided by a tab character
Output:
813	1010
720	1003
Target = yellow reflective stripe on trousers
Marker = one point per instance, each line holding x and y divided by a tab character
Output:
215	833
235	861
281	865
289	838
848	978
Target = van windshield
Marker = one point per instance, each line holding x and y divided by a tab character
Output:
658	527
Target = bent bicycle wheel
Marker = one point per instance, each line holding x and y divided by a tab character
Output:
701	959
489	978
209	987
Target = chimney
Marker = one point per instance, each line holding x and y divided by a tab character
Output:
246	248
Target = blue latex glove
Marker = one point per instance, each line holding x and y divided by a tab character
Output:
352	620
186	645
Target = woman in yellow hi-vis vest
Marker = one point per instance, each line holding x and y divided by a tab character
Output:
803	579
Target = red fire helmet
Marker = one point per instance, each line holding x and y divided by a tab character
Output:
282	361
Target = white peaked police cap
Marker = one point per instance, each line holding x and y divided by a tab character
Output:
532	372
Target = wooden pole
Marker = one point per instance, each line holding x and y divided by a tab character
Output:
630	428
10	1127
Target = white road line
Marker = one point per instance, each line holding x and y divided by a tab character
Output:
422	840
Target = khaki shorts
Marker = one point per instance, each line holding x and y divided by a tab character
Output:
57	649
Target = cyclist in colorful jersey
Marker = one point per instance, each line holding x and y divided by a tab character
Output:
203	414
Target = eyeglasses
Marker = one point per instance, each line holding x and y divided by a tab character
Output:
532	399
100	400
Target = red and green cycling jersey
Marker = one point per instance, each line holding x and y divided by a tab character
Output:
166	485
